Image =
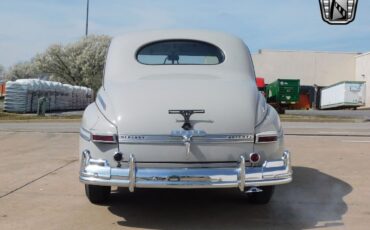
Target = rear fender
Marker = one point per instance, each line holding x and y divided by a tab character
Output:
270	125
94	122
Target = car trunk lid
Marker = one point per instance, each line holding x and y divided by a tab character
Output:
147	130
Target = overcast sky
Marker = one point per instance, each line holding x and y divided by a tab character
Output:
30	26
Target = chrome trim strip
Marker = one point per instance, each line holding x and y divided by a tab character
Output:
101	101
98	172
85	134
169	139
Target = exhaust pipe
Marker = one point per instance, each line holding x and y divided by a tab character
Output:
254	190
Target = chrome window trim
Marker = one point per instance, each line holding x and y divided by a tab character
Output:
189	40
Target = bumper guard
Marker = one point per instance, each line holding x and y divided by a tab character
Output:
98	172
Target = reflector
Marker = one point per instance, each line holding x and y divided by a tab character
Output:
254	157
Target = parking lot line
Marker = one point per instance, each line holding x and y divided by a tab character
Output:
355	141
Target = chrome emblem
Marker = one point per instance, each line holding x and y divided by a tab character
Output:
338	12
187	136
186	114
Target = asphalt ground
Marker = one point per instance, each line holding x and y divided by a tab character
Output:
361	113
39	187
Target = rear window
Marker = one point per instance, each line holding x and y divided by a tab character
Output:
180	52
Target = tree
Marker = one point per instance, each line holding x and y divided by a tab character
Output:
22	70
80	63
2	71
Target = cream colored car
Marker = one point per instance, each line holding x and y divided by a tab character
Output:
180	109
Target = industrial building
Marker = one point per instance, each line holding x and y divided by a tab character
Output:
362	73
315	68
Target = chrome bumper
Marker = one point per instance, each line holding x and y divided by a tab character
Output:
98	172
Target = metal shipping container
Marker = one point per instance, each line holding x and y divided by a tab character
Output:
346	94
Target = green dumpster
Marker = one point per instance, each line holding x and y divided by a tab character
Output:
283	93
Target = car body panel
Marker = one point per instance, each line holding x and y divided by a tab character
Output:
134	102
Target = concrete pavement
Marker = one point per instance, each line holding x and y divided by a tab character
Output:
362	114
39	187
290	128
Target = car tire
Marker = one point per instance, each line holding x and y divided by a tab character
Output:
281	110
262	197
97	194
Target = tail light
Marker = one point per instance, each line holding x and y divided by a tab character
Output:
266	137
254	158
104	138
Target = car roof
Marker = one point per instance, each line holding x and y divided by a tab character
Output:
122	60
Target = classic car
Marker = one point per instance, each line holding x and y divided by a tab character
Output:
180	109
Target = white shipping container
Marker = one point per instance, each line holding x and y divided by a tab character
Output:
344	94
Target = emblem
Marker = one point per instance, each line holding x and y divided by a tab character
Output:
187	136
338	12
186	114
187	133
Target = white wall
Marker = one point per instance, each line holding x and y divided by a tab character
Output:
320	68
363	73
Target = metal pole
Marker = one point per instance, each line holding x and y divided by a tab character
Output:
87	18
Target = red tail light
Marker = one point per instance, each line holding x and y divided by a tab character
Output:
254	157
266	137
104	138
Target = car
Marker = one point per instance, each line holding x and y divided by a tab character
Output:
180	109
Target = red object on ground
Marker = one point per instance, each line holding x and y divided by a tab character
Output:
2	89
303	103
